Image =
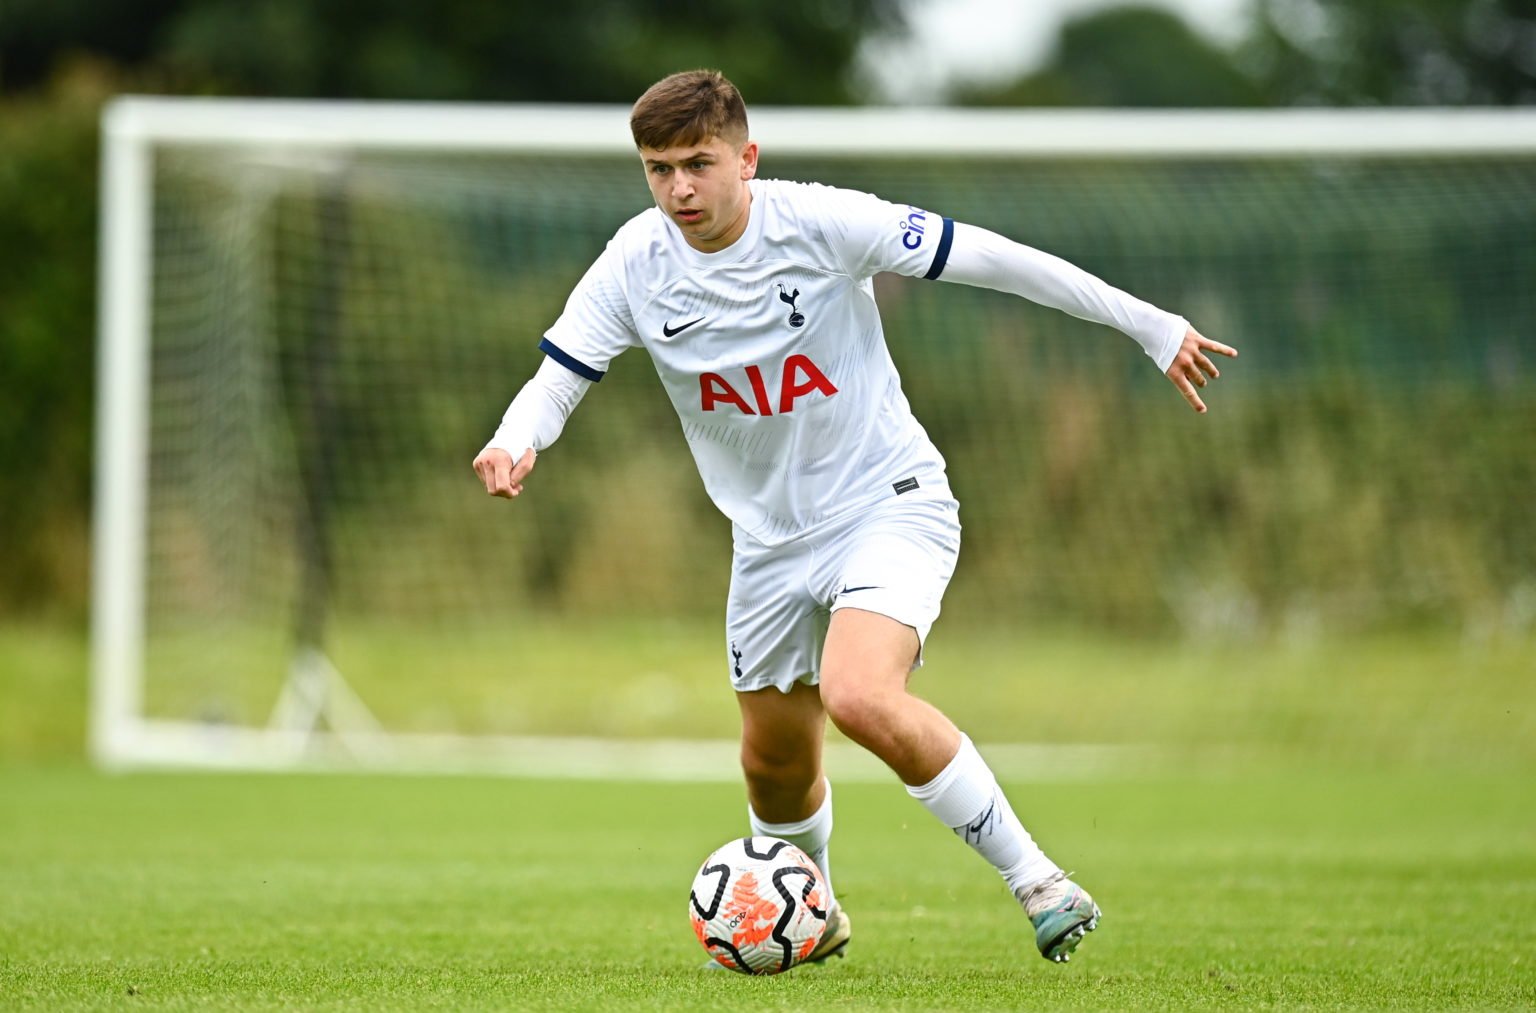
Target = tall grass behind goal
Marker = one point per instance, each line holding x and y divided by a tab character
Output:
313	315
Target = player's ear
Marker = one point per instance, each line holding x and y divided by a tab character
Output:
749	160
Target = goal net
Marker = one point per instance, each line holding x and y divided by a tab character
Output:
313	315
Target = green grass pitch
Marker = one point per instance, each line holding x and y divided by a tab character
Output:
1289	887
1339	824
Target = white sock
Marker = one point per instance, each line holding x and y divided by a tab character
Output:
966	798
810	835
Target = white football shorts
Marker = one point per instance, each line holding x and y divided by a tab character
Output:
895	558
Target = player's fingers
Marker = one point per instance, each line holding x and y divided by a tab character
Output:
1193	375
1188	390
487	472
1207	366
1217	347
523	467
502	483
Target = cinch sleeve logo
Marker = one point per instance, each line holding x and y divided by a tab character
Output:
912	227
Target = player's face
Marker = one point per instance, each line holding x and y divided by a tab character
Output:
703	189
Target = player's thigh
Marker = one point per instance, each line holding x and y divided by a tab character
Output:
866	655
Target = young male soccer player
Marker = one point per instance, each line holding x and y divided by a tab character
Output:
753	298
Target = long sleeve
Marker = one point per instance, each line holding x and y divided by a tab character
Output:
986	259
537	415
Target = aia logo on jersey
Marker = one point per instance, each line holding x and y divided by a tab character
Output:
797	378
912	227
796	318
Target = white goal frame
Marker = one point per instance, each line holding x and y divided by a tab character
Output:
319	723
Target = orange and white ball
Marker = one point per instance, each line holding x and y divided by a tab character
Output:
758	905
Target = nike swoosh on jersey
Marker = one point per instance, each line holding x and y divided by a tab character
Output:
864	587
668	330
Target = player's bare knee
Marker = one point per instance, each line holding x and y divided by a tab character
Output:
858	713
778	773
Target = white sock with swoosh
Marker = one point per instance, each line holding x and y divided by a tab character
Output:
810	835
967	799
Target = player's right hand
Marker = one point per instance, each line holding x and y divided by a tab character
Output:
502	477
1191	366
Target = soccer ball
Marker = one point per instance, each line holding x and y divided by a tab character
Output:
758	905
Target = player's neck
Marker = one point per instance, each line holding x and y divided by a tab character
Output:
737	229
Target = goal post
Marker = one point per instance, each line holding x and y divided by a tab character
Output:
312	314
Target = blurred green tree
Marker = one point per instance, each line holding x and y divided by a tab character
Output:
789	52
1296	52
59	59
47	287
1127	56
1394	52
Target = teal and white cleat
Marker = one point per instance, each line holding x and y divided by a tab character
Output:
834	938
1061	912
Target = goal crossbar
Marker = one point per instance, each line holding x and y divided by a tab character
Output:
997	133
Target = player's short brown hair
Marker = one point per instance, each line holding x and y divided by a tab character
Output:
687	108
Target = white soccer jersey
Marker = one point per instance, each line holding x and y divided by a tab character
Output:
771	350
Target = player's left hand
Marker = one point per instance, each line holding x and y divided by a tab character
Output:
1192	368
503	477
